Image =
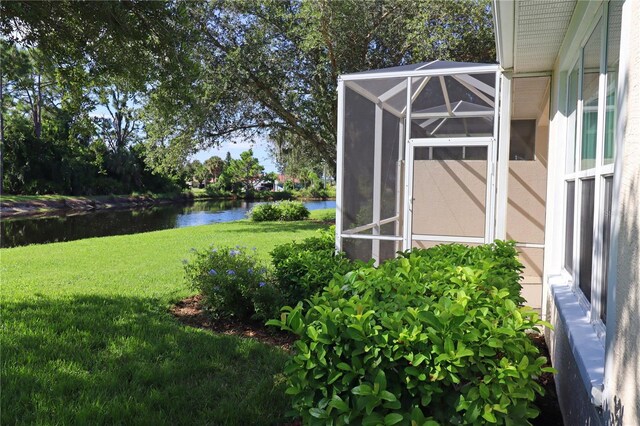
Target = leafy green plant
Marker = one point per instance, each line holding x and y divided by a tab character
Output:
265	212
292	210
230	279
433	337
280	210
304	268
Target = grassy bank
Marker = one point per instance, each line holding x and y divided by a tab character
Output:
195	194
17	205
87	337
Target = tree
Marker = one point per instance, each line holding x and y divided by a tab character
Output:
119	130
198	171
215	165
246	171
270	67
135	40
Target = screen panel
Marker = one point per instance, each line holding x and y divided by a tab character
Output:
449	193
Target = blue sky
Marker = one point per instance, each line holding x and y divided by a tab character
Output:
260	151
259	146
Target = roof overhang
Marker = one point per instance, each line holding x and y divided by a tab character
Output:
530	33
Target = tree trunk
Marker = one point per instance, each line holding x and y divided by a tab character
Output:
1	133
37	110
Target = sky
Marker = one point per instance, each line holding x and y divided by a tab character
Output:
260	147
260	151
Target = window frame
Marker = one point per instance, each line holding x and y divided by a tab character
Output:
599	172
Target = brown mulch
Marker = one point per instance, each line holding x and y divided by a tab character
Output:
190	312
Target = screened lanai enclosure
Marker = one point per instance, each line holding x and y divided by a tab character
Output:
416	155
443	152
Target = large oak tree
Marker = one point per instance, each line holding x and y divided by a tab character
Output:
270	67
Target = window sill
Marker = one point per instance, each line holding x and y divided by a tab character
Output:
586	346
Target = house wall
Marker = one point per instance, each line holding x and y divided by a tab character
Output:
584	401
577	408
527	203
622	374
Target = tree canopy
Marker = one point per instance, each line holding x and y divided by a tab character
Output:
176	77
270	67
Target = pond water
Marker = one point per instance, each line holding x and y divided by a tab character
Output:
77	225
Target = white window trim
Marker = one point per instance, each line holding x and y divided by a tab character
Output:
587	335
591	309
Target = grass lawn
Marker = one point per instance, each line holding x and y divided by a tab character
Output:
87	337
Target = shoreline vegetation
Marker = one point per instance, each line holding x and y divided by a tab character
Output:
29	205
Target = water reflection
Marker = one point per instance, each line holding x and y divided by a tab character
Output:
77	225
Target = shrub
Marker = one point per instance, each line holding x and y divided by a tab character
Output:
230	279
265	212
304	268
499	261
432	337
292	210
281	210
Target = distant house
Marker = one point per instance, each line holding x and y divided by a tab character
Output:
542	148
279	183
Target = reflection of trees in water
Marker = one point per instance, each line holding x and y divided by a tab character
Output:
77	226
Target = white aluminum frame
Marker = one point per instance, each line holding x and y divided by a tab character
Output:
489	143
403	217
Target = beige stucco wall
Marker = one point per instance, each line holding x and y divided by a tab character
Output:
622	372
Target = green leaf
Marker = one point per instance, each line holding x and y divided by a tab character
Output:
524	363
292	390
344	366
381	380
388	396
312	333
494	343
418	359
339	404
448	346
335	375
392	419
373	419
484	391
318	413
362	390
488	414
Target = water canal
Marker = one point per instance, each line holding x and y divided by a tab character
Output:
73	225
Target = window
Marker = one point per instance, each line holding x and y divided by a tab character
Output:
591	117
522	145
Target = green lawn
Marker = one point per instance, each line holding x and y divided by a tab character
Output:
87	337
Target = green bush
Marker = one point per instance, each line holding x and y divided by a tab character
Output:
232	283
499	260
304	268
292	210
265	212
280	210
433	337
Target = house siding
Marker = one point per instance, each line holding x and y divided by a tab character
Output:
622	373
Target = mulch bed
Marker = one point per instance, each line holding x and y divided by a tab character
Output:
190	312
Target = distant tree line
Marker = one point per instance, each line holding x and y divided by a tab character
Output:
115	97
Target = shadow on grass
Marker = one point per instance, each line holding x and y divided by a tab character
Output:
122	360
273	227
